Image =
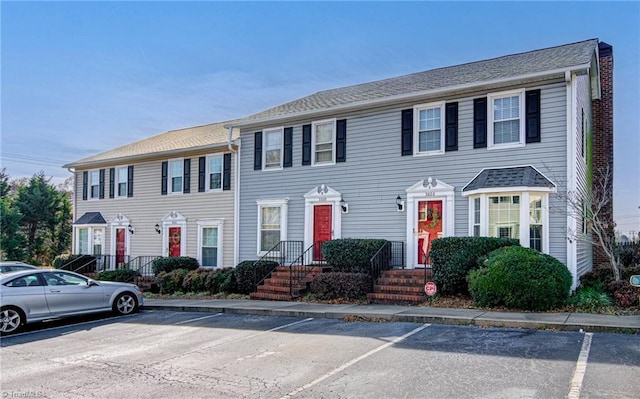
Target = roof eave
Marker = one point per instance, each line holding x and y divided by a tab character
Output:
405	97
139	157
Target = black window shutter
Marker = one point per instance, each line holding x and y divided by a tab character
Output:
187	176
85	182
532	100
407	132
165	170
287	160
480	123
130	181
306	144
202	174
341	140
112	178
101	194
257	151
226	172
451	127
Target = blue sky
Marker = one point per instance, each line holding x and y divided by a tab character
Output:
79	78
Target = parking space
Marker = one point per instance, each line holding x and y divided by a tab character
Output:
214	355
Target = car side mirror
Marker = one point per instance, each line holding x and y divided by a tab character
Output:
635	280
91	283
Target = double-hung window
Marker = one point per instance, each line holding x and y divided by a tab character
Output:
504	216
535	222
506	119
210	242
94	177
122	176
430	128
273	148
272	223
175	175
214	172
324	140
90	240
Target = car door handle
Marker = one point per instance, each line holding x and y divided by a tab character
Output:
54	290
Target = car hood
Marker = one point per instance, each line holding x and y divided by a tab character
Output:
115	284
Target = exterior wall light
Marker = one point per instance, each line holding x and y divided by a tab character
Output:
400	203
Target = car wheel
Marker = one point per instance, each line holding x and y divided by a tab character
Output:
125	303
12	320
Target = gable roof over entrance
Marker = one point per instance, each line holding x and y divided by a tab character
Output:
91	218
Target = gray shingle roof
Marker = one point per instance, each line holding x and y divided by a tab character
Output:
173	140
510	66
522	176
91	218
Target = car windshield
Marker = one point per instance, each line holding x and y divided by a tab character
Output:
62	278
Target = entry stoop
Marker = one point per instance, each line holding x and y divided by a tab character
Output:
399	286
278	286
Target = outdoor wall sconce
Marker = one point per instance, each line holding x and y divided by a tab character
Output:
131	229
157	226
400	203
344	206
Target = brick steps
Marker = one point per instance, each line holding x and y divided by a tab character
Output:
402	286
278	286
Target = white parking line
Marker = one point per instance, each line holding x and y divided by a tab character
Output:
581	368
68	326
354	361
199	318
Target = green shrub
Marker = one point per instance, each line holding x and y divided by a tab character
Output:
247	275
520	278
453	257
589	299
123	275
223	280
624	293
172	263
597	278
351	255
196	280
628	271
170	282
328	286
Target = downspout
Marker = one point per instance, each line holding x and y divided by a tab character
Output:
73	213
236	197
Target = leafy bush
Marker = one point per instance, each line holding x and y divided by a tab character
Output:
246	275
597	278
123	275
453	257
170	282
328	286
351	255
628	271
589	299
196	280
223	280
624	293
172	263
520	278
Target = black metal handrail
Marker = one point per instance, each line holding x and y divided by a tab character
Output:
279	255
142	264
299	268
93	263
391	255
428	270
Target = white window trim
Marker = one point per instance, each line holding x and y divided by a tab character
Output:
90	232
120	222
283	204
174	219
313	142
90	196
207	182
322	195
524	194
264	148
521	111
116	190
170	177
416	128
217	223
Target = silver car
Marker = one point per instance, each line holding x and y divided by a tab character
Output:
34	295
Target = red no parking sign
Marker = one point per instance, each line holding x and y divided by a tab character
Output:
430	288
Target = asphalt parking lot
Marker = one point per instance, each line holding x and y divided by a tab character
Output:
164	354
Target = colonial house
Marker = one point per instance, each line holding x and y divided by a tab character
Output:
168	195
488	148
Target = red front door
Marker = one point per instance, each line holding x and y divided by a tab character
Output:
321	228
429	227
174	241
121	245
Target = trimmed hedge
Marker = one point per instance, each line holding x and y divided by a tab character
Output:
329	286
246	276
452	258
122	275
520	278
211	281
625	295
173	263
170	282
351	255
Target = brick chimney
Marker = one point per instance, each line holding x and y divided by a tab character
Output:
603	136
